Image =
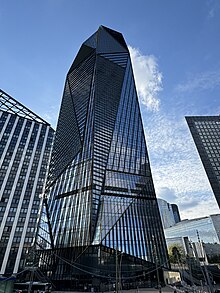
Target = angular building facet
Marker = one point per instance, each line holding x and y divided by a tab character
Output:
205	131
100	203
25	146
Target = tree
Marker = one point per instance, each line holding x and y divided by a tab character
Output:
176	253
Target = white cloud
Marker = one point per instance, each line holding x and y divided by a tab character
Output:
183	176
213	8
203	81
178	174
167	194
148	78
211	13
202	208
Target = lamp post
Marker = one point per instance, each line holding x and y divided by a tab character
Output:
209	283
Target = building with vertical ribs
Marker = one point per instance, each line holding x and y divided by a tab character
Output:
205	131
100	205
25	145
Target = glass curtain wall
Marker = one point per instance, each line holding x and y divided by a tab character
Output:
100	203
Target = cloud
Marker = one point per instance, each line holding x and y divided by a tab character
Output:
211	13
190	203
165	135
167	194
148	78
178	174
213	8
196	209
203	81
183	176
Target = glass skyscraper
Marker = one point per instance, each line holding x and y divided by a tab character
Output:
205	131
176	213
100	205
169	213
25	147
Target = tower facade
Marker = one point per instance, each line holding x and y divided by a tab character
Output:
169	216
205	131
176	213
100	204
25	146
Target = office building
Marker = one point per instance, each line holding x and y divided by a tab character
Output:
205	131
25	145
169	213
207	228
176	213
199	237
100	206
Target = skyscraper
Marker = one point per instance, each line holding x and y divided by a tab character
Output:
100	205
169	213
205	131
176	213
25	145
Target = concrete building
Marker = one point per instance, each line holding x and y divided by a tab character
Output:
25	146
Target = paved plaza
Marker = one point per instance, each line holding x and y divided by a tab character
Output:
141	290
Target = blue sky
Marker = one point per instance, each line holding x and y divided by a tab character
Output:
175	49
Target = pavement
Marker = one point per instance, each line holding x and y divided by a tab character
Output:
167	289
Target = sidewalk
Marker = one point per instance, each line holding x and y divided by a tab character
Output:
140	290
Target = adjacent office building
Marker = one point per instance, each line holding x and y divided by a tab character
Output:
176	213
205	131
207	228
100	205
169	213
199	236
25	145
